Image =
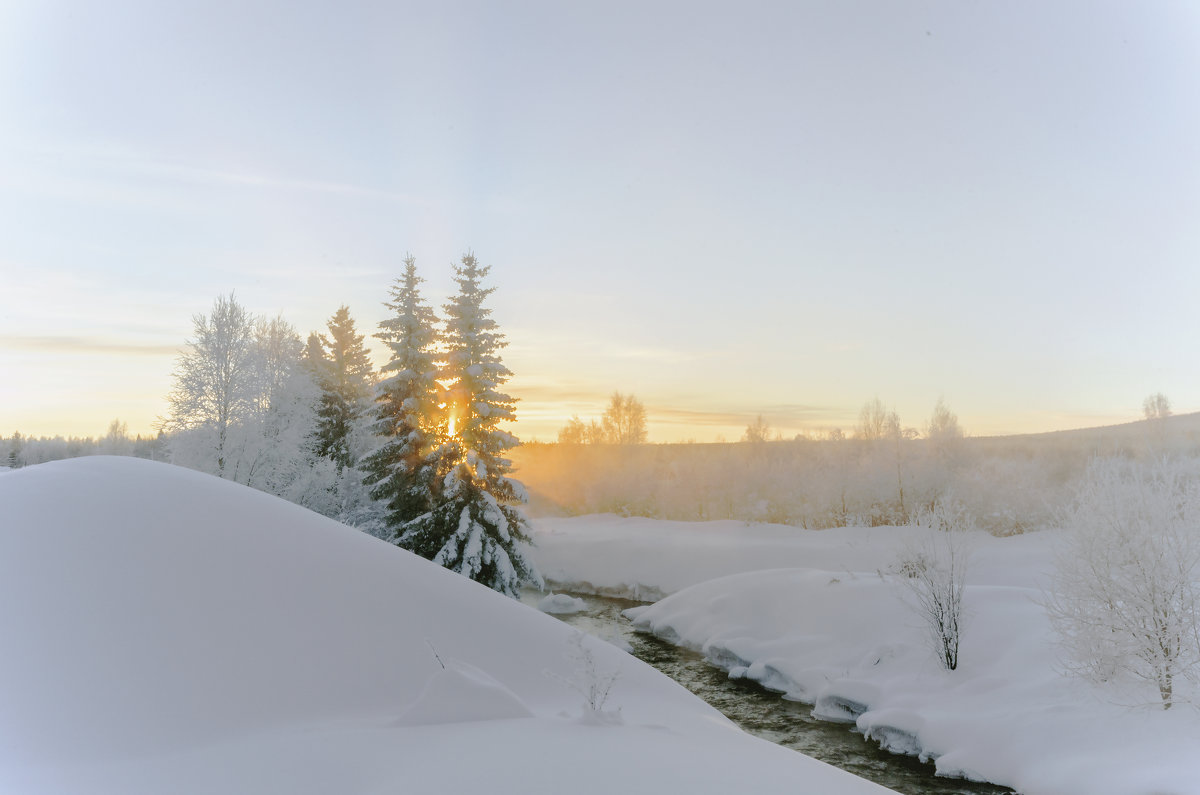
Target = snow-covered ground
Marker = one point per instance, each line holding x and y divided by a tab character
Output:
809	613
166	631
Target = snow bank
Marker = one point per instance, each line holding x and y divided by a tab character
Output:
647	559
831	631
166	631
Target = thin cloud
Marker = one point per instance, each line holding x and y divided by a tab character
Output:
216	176
543	397
57	344
128	163
530	391
664	355
785	416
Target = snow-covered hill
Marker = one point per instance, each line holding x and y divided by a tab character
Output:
165	631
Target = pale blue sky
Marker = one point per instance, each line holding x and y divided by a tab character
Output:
724	208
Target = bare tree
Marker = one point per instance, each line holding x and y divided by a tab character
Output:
117	441
1156	407
876	422
943	428
574	432
624	420
1124	598
935	575
757	431
590	681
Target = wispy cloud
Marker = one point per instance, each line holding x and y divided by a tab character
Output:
269	182
532	389
662	355
117	166
84	345
780	415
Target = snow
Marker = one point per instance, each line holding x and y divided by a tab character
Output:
562	604
833	629
461	693
166	631
649	558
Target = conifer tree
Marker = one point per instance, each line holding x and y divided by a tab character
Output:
403	471
476	526
313	359
14	459
344	375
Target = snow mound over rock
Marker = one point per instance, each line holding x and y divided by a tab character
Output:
562	604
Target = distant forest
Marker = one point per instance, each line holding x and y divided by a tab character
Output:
1009	484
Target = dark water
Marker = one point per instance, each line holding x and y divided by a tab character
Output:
763	713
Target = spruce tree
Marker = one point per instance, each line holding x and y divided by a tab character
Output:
403	471
344	375
476	526
15	458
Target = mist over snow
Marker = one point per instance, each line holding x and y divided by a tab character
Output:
167	631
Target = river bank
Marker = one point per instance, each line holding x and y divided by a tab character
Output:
834	630
761	712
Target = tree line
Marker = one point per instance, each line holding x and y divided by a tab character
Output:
415	457
623	422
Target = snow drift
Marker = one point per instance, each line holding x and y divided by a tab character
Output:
166	631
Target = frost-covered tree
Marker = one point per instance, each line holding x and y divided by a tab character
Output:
241	407
344	376
876	422
403	471
277	351
217	383
943	428
476	526
117	441
1156	407
757	431
15	456
624	420
270	446
576	431
1125	599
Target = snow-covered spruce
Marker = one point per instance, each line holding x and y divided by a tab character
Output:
342	370
475	527
404	470
473	534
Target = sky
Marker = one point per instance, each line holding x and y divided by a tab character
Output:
725	209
